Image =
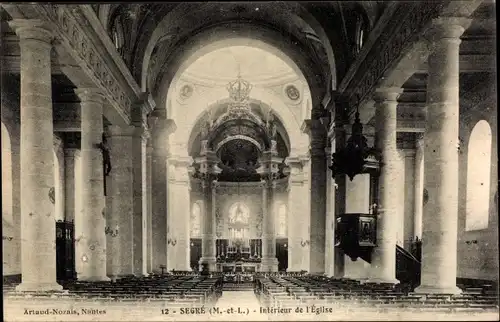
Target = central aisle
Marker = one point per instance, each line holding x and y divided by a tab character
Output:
245	301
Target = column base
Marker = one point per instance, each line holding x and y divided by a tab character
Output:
379	280
210	262
433	289
94	279
38	287
269	264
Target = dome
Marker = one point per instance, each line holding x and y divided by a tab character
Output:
252	63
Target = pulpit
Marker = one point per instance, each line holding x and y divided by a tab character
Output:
356	235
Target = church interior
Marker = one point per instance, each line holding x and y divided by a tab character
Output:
341	154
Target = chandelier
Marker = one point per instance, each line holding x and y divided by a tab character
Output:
239	91
356	157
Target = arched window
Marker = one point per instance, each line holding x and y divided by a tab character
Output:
282	222
196	220
361	32
7	215
478	177
117	34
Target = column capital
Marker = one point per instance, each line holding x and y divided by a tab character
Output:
57	141
32	29
71	152
387	94
90	95
450	28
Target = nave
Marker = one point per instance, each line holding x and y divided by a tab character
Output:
276	296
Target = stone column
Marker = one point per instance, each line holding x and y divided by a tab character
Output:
208	224
439	235
38	251
419	188
149	196
178	239
330	219
144	202
138	154
409	195
159	206
59	178
384	256
318	194
298	214
269	262
70	154
269	172
340	197
120	201
208	172
90	245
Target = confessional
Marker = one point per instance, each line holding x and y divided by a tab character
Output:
65	251
282	253
195	253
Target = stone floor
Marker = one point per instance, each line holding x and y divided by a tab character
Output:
232	306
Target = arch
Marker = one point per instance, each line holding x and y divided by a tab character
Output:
478	177
297	142
238	137
237	34
195	222
281	219
292	18
7	196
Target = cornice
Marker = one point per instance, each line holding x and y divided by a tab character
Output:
73	30
400	27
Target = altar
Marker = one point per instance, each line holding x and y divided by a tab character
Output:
238	267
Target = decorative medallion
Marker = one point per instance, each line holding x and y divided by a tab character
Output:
292	92
52	195
186	91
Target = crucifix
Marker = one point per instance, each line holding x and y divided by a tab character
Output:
106	160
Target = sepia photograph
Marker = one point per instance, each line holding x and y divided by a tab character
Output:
249	161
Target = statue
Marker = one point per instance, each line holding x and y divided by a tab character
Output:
271	126
106	159
205	130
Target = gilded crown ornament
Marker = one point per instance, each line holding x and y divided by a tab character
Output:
239	92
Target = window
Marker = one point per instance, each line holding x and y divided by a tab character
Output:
117	34
196	220
361	32
478	177
282	222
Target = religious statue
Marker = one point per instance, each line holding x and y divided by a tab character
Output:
106	160
205	130
271	126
